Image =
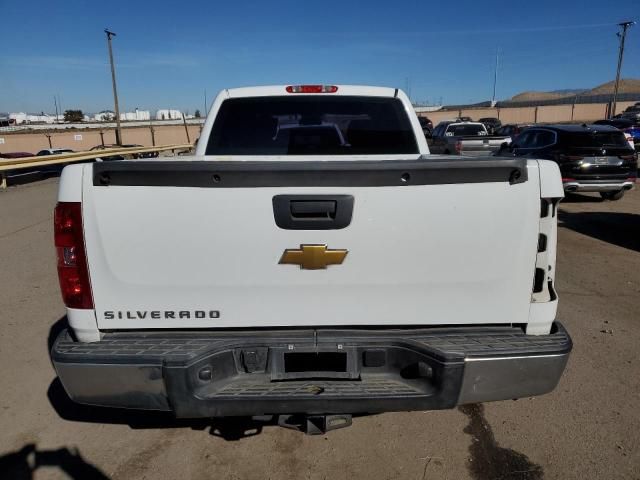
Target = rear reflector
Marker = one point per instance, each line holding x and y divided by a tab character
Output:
568	179
72	262
312	89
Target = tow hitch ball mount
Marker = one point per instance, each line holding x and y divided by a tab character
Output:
314	424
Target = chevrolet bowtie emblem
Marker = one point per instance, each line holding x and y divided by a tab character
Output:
313	257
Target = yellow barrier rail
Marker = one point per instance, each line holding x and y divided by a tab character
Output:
12	164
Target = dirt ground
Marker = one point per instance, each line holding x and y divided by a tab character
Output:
587	428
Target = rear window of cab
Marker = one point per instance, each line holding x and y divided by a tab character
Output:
312	125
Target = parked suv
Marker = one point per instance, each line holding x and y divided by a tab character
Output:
511	130
628	126
491	123
426	125
592	158
53	151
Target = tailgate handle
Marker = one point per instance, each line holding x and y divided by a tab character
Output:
313	209
312	212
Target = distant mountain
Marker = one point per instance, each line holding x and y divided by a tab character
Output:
534	96
570	91
627	85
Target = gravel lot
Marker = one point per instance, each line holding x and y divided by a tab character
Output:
588	427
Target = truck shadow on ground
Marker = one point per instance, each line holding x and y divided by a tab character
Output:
22	464
31	177
621	229
581	198
489	461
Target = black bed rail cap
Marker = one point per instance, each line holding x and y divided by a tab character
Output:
426	170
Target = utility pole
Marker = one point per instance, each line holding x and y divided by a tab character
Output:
55	102
186	130
60	106
115	90
495	79
621	35
153	133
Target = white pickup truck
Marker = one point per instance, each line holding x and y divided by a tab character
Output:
465	138
311	261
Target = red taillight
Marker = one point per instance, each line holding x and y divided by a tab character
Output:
72	261
312	89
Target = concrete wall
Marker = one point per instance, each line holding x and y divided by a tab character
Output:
621	106
478	113
440	116
517	115
580	112
85	139
554	113
589	112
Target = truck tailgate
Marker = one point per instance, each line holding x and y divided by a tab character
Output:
482	145
195	244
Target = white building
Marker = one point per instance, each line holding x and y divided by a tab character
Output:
433	108
165	114
110	116
136	115
104	116
22	118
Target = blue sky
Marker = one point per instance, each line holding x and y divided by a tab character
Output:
167	52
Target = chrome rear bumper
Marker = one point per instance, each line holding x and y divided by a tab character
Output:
597	187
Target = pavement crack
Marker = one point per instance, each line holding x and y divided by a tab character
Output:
426	465
4	235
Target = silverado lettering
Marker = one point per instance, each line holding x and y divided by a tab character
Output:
157	314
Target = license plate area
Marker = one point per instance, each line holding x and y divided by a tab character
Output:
299	362
311	363
602	161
